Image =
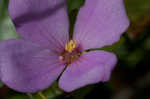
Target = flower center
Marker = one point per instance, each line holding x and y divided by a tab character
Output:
70	46
71	52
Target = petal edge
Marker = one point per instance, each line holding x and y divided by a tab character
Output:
91	68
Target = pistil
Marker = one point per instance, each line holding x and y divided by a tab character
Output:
71	52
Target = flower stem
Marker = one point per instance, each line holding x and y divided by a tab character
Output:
30	96
41	95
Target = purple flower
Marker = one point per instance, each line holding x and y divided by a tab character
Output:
34	62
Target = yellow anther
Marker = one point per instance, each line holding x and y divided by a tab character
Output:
70	46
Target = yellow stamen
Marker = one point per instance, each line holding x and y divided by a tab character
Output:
41	95
70	46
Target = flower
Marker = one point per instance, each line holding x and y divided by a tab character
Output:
34	62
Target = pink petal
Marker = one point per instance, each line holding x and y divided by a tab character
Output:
100	23
42	21
26	67
92	67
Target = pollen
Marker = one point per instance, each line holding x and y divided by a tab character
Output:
69	47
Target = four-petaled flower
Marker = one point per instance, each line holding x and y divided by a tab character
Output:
34	62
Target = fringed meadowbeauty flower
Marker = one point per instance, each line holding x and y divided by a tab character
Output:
34	62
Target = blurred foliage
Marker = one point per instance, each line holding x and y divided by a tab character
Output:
1	85
133	51
7	30
137	8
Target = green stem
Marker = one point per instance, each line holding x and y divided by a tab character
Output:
30	96
41	95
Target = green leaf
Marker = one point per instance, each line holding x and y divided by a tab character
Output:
7	29
74	4
1	84
114	46
19	96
